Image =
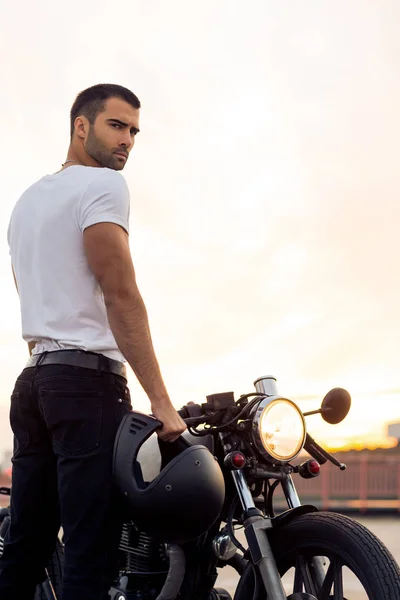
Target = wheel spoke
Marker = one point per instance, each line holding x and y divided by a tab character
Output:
338	585
303	576
328	582
298	576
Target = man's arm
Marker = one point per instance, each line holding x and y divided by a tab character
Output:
31	345
109	257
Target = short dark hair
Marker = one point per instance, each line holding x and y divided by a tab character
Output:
92	101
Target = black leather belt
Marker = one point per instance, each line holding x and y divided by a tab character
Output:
78	358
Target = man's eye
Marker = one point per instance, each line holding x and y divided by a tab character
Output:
116	125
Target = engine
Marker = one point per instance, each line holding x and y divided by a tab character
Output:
143	564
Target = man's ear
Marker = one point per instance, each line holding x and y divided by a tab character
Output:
81	125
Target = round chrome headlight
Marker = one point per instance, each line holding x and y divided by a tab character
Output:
279	428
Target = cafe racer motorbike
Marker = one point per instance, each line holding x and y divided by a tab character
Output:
297	554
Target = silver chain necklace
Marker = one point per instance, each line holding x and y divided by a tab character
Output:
68	161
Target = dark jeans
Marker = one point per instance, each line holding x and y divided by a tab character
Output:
64	421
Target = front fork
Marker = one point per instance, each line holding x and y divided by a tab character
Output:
255	526
267	385
317	562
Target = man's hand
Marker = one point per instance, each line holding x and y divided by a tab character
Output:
173	425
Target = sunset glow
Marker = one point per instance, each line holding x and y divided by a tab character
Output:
264	185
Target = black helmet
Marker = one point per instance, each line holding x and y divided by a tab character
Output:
183	500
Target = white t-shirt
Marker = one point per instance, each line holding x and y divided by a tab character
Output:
62	305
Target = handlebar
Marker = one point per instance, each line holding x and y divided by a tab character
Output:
192	414
190	411
320	454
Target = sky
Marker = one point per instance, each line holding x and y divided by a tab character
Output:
264	187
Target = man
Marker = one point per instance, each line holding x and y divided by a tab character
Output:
82	316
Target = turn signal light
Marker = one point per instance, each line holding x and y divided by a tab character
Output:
310	468
235	460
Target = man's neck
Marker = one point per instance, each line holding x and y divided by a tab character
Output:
78	156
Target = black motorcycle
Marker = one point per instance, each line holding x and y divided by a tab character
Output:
298	554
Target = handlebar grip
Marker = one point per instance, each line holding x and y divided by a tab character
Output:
315	450
190	421
320	454
191	411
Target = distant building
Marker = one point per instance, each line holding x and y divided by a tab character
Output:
393	430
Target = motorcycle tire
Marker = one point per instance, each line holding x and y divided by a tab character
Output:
345	542
54	570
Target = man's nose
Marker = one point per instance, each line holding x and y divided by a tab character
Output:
126	141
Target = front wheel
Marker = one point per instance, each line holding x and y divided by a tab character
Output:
353	563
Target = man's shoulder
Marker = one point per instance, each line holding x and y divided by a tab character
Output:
103	179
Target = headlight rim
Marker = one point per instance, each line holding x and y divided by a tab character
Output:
256	433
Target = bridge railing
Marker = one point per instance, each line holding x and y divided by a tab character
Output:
367	483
